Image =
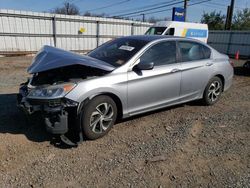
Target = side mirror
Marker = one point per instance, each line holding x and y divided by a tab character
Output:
145	65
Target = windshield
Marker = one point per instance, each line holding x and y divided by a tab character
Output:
117	52
155	30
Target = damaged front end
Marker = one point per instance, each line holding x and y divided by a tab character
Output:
55	110
55	73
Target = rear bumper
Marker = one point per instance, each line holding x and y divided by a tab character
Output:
228	82
55	112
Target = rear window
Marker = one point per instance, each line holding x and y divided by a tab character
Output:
155	30
191	51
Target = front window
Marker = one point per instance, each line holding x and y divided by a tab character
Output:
163	53
155	30
117	52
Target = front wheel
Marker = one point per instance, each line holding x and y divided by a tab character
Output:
213	91
98	117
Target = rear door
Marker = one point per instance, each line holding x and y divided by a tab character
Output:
196	67
154	88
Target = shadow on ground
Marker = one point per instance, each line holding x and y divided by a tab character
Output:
13	121
191	103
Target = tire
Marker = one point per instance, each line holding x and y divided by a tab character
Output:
247	65
98	117
213	91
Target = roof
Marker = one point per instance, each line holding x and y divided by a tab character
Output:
150	38
180	24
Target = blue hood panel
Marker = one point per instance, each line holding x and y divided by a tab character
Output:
51	58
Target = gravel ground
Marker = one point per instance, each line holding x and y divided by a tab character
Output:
187	145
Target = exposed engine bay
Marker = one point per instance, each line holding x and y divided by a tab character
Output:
73	73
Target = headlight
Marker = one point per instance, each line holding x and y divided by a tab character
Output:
51	92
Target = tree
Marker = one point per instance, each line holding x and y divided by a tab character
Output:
87	14
215	20
241	20
103	15
152	19
68	9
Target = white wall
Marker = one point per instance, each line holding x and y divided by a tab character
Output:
22	31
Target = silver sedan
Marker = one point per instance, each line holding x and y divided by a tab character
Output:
123	77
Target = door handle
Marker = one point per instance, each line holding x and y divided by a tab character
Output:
175	70
209	64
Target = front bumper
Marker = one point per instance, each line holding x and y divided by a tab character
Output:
56	112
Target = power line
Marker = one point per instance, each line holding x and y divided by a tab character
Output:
199	2
151	12
171	8
74	1
143	7
145	10
216	6
223	5
110	5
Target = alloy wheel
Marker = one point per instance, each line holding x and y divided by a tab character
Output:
214	91
101	118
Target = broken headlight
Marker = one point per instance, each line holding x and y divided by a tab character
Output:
51	92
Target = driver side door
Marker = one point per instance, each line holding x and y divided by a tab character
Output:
152	89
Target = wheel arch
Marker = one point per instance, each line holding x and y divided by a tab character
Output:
215	75
113	96
222	80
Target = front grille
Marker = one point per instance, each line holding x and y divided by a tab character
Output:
54	103
48	102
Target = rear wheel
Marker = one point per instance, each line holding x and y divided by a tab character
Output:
98	117
213	91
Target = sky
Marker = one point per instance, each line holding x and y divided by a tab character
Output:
194	12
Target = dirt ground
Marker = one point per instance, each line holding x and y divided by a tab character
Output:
187	145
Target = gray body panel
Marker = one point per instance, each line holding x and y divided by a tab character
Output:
151	89
194	76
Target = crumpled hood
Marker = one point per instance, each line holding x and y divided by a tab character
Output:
51	58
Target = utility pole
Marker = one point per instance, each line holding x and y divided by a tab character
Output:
143	17
185	8
229	18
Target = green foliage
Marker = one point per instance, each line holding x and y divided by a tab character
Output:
241	20
214	20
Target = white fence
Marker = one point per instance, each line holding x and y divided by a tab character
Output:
25	32
229	42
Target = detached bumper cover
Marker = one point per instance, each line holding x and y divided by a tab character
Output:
55	112
59	126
